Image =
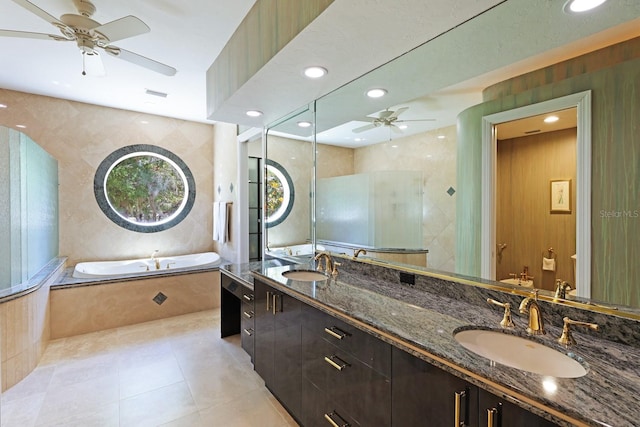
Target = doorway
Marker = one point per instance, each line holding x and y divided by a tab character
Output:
490	249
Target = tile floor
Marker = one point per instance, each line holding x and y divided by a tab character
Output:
174	372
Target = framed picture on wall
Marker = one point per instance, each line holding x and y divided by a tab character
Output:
561	196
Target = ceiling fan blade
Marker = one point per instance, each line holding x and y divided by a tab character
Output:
395	129
123	28
396	113
37	11
140	60
384	114
364	128
416	120
29	35
92	65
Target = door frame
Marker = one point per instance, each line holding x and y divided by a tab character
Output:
582	102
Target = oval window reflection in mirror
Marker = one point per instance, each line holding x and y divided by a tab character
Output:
280	194
144	188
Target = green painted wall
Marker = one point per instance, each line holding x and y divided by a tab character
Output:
613	76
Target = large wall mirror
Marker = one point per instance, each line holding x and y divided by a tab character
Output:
427	120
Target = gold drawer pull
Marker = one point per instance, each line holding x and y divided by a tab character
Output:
340	423
492	417
336	362
248	314
458	407
247	297
335	332
248	331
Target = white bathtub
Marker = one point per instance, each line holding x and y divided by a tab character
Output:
86	270
293	250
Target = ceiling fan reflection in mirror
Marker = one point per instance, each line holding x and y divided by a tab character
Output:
388	118
90	36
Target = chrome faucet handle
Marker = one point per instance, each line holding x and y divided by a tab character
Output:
506	322
566	338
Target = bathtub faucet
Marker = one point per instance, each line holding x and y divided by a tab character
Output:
155	260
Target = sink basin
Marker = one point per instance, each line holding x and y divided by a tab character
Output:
518	282
520	353
305	275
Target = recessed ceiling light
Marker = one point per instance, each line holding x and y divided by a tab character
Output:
3	105
315	72
403	127
394	146
304	124
441	137
254	113
376	93
21	126
577	6
551	119
144	122
359	139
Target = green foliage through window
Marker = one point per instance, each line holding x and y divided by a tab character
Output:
275	193
145	188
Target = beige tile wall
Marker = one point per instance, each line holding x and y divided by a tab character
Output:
25	333
80	136
93	308
436	158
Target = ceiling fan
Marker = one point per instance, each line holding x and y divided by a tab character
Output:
90	35
388	118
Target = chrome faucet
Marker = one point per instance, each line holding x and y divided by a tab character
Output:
155	260
330	267
530	306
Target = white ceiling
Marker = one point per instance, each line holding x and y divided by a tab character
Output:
187	35
349	38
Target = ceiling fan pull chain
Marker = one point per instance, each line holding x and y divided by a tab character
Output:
84	73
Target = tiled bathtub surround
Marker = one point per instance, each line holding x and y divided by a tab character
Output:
82	306
423	318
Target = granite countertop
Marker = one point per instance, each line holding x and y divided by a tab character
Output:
413	318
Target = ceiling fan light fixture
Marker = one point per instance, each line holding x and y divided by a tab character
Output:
315	72
253	113
376	93
579	6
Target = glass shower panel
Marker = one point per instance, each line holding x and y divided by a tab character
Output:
397	206
343	213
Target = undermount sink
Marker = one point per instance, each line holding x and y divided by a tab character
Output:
520	353
305	275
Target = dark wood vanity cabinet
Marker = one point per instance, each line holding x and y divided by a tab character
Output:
247	322
424	394
346	373
326	372
277	344
497	412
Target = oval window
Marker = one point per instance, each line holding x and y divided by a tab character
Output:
144	188
280	194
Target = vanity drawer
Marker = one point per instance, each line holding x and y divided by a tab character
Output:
247	322
350	387
365	347
317	409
